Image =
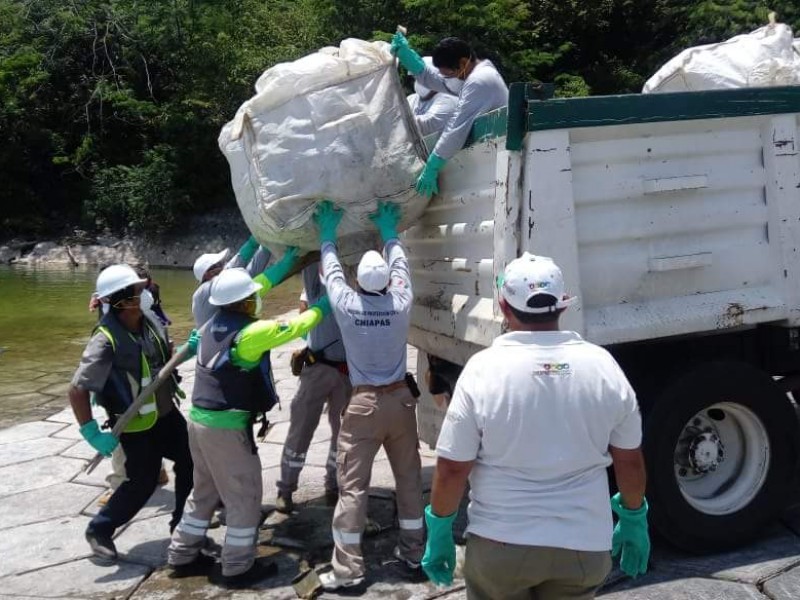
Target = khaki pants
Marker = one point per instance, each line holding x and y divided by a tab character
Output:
227	470
498	571
376	418
318	383
117	475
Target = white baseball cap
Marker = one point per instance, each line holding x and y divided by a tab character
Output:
373	272
206	261
529	276
232	285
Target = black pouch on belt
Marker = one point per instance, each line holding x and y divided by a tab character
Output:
298	360
412	385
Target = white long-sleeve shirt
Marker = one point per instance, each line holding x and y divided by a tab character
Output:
374	327
433	114
483	91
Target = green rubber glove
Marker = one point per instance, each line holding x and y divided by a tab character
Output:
327	218
103	442
248	249
428	182
406	55
439	561
277	272
323	304
386	219
630	539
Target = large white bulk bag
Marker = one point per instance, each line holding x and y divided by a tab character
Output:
765	57
334	124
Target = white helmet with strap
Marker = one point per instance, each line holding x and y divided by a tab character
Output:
116	278
232	285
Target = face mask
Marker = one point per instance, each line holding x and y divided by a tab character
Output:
257	311
146	300
105	307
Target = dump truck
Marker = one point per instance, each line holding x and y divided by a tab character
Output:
676	221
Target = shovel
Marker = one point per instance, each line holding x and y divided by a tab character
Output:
164	374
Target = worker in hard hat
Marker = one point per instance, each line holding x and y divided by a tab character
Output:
324	378
432	109
484	90
125	352
374	322
229	391
252	257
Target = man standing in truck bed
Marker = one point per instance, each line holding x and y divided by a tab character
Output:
535	420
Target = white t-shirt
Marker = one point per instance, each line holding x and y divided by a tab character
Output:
537	411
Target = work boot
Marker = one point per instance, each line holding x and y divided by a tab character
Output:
283	503
412	565
201	565
262	569
330	581
102	546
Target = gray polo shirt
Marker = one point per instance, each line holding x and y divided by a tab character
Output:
96	361
325	338
202	309
374	327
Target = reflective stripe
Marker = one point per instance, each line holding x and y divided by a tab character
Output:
237	541
191	530
411	523
346	537
146	381
294	464
148	408
241	531
196	522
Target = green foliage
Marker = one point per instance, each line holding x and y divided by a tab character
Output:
141	197
110	109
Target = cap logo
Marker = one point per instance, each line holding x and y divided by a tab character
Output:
539	285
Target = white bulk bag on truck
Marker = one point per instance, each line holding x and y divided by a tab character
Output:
765	57
334	124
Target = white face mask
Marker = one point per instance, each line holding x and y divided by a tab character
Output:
259	306
146	300
105	307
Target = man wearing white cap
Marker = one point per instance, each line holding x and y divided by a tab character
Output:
252	257
229	392
374	323
534	421
432	110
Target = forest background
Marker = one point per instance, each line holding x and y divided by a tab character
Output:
110	109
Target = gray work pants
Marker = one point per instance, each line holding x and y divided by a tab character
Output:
319	383
377	417
226	470
498	571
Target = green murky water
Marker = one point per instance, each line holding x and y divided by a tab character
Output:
45	322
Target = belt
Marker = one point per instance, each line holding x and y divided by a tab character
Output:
389	387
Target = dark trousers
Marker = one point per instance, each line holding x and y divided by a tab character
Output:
143	453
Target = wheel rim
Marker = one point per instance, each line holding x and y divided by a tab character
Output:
722	458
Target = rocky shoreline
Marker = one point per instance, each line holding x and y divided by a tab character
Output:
205	233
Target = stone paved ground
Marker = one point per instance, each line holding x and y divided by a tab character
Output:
46	501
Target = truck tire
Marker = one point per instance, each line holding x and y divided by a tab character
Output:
721	447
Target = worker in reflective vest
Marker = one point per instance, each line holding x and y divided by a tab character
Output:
125	352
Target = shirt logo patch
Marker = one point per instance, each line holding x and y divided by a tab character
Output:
553	370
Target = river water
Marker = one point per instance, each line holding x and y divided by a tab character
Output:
45	323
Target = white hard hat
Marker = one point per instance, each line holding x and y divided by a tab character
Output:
373	272
206	261
115	278
232	285
529	276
